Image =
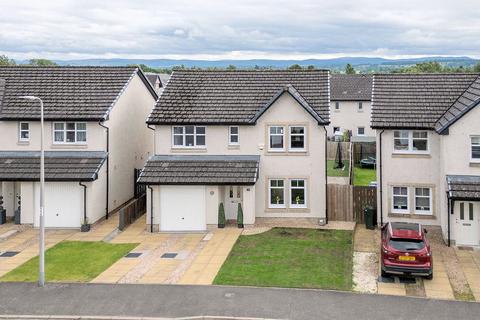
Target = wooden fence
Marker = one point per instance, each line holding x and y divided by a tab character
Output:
362	150
347	202
332	150
132	211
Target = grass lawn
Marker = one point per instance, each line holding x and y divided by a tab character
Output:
291	257
363	176
72	261
331	172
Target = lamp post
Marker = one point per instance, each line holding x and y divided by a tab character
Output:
41	275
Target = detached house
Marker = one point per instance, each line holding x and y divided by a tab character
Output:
95	138
350	105
255	138
428	151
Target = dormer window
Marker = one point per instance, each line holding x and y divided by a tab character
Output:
69	132
23	132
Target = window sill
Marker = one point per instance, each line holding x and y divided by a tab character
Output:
410	155
288	209
23	143
190	150
474	163
69	145
412	216
233	146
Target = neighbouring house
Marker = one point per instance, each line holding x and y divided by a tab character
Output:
155	81
428	151
250	138
350	105
95	138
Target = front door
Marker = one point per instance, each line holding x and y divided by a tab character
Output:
467	224
233	196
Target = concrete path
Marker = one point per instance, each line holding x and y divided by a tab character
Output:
185	301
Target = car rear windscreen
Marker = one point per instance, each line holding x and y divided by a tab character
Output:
407	244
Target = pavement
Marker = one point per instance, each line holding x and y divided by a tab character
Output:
189	301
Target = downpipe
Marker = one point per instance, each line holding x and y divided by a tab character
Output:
151	208
108	167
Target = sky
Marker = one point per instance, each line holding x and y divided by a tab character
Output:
241	29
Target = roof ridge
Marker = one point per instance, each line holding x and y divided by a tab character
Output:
248	70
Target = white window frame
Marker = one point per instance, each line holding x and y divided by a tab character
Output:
394	210
276	134
184	134
230	135
363	134
20	131
410	142
304	188
290	134
430	196
64	131
275	205
472	159
360	106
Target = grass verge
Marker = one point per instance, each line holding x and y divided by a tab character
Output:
363	176
332	172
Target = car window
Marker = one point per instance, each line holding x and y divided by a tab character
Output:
406	244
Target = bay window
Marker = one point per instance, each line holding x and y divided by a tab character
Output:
400	199
297	138
188	136
69	132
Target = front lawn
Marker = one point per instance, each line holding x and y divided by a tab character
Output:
291	257
363	176
331	172
72	261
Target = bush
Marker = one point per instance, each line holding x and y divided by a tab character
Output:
240	216
221	215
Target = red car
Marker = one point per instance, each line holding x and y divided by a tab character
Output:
405	250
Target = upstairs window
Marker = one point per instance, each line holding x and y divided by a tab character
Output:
69	132
297	138
475	148
276	138
410	141
360	131
233	136
337	105
189	136
360	106
24	132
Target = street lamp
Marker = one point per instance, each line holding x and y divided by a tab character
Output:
41	275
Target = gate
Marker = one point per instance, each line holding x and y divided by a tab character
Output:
139	189
347	202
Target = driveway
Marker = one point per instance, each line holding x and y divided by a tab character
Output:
188	301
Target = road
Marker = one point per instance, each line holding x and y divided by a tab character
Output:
184	301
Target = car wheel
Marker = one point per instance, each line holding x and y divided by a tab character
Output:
384	274
430	276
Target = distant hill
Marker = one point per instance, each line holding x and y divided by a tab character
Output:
362	64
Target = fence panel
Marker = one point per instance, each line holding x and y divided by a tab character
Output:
340	205
362	150
131	212
363	197
332	150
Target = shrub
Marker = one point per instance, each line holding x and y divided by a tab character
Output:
221	215
240	216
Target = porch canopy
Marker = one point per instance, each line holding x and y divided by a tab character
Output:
59	165
463	187
200	170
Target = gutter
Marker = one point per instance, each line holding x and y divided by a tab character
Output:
84	202
151	208
326	178
381	178
108	167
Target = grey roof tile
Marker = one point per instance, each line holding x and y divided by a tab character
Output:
234	97
351	87
463	187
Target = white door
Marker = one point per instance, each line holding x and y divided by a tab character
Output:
467	224
233	196
63	205
182	208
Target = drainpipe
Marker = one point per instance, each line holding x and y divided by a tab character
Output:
151	208
380	178
84	202
450	212
108	166
326	180
153	129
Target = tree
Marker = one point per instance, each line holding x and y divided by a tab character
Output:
42	63
6	61
231	67
311	67
476	68
349	69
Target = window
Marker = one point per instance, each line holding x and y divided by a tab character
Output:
360	106
423	200
297	193
337	105
24	131
277	193
410	141
475	148
233	136
400	199
189	136
336	129
276	138
297	138
69	132
360	131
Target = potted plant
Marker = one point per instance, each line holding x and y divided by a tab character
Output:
85	227
221	216
240	216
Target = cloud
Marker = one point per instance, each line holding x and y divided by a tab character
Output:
238	29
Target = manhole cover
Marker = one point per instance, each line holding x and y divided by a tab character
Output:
169	255
7	254
133	255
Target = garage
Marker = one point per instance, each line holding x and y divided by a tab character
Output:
182	208
63	204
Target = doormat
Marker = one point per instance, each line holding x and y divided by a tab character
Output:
169	255
465	248
133	255
8	254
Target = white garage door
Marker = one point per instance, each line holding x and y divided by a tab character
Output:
63	204
182	208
